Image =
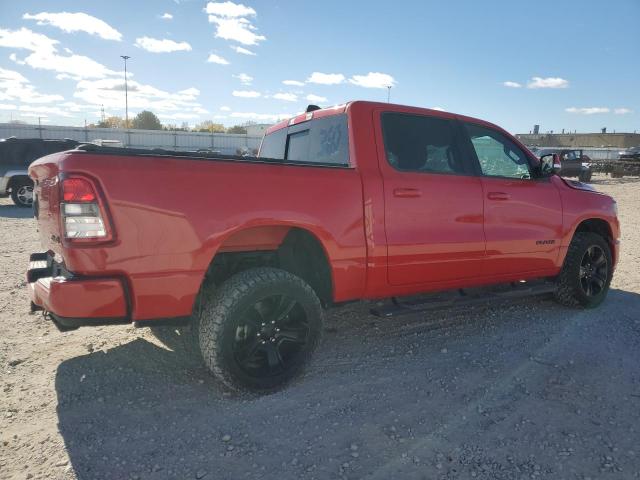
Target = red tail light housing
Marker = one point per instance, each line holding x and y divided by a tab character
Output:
83	214
77	190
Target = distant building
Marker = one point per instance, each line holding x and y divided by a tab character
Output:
574	140
257	129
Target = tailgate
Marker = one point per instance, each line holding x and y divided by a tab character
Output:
46	202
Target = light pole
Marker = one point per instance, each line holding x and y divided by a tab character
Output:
126	91
389	93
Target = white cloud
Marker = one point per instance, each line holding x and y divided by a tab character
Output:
622	111
190	92
587	110
76	22
316	98
293	83
511	84
224	108
244	78
260	117
15	87
326	78
164	45
548	82
213	58
229	9
242	50
166	16
45	56
232	23
237	29
110	93
246	93
287	97
373	80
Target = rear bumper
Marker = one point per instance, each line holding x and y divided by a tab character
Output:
75	301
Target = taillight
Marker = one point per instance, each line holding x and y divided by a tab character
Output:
81	212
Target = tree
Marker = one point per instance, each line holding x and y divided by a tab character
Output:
209	126
111	122
146	120
237	129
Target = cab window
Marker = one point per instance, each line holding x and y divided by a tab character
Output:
497	155
417	143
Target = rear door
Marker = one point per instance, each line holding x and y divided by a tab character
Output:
433	202
522	214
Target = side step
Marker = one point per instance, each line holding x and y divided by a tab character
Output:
462	298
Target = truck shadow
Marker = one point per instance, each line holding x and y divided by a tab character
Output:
376	390
11	211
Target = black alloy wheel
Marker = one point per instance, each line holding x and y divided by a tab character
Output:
270	336
593	271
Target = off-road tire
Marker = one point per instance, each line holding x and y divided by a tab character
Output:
223	311
569	291
585	177
16	192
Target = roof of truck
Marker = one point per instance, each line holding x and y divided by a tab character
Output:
342	108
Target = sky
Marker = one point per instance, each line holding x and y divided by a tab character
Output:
562	64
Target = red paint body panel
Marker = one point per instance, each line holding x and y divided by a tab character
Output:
171	216
100	298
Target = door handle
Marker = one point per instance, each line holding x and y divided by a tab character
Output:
406	192
498	196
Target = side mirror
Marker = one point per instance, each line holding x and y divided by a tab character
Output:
550	164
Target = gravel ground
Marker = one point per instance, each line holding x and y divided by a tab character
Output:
524	390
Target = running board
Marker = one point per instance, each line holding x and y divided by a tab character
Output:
462	298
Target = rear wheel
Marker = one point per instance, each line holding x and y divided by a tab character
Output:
259	329
22	193
586	273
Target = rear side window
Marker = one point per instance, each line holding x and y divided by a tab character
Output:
273	144
322	141
417	143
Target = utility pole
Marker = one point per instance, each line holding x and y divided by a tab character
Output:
389	93
126	91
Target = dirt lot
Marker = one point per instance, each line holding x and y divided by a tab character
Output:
526	390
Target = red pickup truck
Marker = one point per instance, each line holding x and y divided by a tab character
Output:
360	201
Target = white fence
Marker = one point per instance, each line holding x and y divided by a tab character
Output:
223	142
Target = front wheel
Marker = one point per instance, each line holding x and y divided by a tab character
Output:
586	274
259	329
22	193
585	177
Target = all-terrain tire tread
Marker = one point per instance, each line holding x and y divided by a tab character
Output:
219	303
566	283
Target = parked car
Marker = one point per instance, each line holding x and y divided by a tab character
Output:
632	153
359	201
574	162
15	156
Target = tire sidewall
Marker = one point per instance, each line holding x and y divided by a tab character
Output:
587	242
14	194
286	284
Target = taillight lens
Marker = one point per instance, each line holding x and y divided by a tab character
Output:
81	212
77	190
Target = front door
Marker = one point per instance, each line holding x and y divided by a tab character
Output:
433	202
522	214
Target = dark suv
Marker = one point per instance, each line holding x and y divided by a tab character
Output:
574	162
15	156
632	153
